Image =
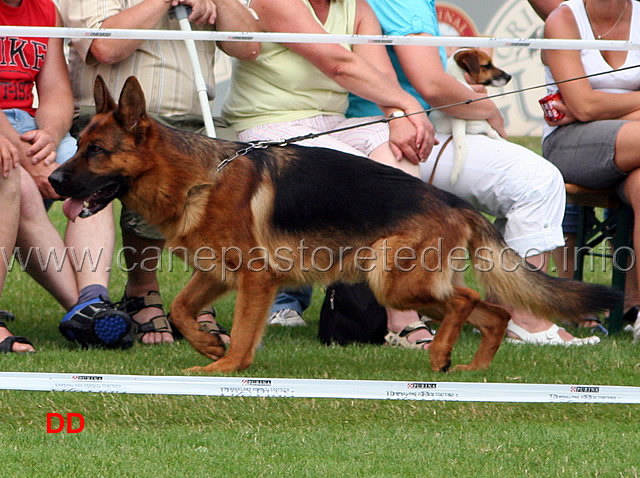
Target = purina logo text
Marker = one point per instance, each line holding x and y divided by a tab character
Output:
585	389
256	383
87	377
418	385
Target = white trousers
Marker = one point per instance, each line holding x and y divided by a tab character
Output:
524	191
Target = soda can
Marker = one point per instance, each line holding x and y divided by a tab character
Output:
549	111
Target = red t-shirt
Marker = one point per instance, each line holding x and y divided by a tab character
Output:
21	59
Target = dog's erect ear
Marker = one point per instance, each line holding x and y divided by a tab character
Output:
132	105
468	61
103	100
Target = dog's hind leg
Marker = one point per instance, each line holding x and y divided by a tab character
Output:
491	320
256	293
457	309
201	291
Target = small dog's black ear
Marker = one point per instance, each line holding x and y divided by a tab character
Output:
104	101
132	105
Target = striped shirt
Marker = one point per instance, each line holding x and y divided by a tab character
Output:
162	67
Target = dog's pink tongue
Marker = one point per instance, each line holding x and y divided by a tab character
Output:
72	208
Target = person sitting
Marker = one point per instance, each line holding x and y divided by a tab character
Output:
603	108
40	136
521	189
172	100
299	88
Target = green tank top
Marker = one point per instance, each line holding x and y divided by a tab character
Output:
281	85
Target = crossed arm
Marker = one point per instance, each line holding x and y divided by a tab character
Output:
226	15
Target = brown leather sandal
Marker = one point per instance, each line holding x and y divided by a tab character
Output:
212	326
400	339
159	323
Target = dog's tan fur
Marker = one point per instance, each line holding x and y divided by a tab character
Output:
277	197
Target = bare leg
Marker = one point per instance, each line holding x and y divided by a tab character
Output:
632	191
565	260
93	239
397	320
37	235
142	279
528	321
10	200
383	154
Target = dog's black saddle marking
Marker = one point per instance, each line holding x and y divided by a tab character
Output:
324	189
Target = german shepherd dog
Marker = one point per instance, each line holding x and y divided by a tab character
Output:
289	215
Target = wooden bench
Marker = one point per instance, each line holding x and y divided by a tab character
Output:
618	228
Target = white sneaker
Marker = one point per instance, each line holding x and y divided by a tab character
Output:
287	318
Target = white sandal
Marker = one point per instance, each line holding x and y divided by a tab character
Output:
400	339
546	337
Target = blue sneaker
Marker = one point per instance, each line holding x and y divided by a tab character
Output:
98	323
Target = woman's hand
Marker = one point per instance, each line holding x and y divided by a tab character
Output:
562	108
411	140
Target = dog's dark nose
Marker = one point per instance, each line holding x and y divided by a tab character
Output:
56	179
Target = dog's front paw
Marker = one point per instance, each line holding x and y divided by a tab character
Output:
469	367
209	345
212	351
221	366
196	369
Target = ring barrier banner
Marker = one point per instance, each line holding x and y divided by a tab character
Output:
319	388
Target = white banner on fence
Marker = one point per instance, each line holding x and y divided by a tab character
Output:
318	388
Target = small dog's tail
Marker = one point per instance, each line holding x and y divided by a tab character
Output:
517	284
460	151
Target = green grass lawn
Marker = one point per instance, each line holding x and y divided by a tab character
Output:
159	435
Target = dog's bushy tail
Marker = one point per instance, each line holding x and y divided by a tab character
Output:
508	276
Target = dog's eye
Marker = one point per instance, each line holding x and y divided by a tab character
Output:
94	149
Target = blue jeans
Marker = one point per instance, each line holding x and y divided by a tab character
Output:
23	122
297	299
570	220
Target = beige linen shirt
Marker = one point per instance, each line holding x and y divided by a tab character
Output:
161	66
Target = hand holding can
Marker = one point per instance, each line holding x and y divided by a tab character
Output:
549	110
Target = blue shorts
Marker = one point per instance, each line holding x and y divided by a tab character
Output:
23	122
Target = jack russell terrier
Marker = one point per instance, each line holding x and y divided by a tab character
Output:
478	65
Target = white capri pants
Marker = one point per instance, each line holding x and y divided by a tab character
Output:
524	191
359	141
